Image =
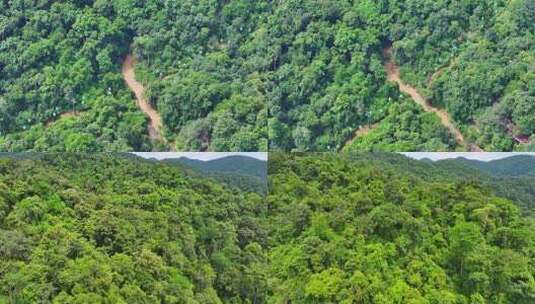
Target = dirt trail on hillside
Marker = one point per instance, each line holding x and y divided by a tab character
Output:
361	131
392	71
155	124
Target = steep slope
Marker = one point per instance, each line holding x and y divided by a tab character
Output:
155	124
59	57
392	71
478	55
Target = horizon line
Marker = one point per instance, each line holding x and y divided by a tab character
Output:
203	156
480	156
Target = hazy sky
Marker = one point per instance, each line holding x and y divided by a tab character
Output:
199	155
484	156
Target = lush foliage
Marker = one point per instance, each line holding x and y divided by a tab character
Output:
228	75
246	173
195	60
512	177
61	87
405	128
346	228
475	58
328	79
109	229
355	229
64	57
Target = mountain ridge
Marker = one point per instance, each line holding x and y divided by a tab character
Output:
245	172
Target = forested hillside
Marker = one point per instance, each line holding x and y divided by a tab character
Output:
246	173
234	163
335	228
100	228
328	79
61	86
60	82
354	229
509	177
514	166
228	75
473	58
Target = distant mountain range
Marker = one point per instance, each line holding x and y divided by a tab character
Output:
514	166
243	172
230	164
246	173
511	177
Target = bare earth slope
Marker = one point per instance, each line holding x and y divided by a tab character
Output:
392	71
361	131
155	124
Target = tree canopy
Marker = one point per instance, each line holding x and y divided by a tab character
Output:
243	75
334	228
61	87
99	228
356	228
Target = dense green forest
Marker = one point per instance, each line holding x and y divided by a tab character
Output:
64	57
334	228
228	75
404	128
61	87
100	228
246	173
474	58
511	177
362	228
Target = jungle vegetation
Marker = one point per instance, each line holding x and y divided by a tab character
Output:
244	172
229	75
512	177
334	228
101	228
61	87
473	58
350	228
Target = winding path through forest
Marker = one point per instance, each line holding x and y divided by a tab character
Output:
392	72
361	131
155	124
